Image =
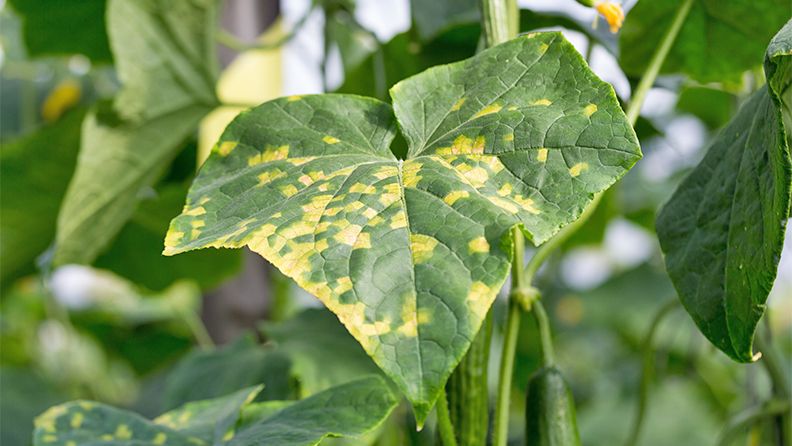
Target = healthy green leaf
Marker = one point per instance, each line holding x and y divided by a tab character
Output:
57	27
136	253
34	173
723	229
322	353
165	59
196	424
210	374
714	107
351	410
410	254
718	40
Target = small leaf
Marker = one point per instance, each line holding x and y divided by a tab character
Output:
718	40
165	59
351	409
723	229
410	254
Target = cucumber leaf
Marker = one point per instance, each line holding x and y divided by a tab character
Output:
410	254
723	229
164	53
718	41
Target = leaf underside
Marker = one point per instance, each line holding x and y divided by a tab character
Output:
723	229
409	254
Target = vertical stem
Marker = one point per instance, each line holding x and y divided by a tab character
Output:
444	421
509	342
774	366
647	348
649	76
198	330
499	20
545	335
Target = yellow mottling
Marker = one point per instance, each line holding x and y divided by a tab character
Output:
160	438
543	101
505	190
315	206
412	317
478	176
360	188
541	155
479	298
370	213
410	176
343	285
321	245
398	221
577	169
47	420
493	163
71	443
386	172
457	105
196	211
270	153
288	190
300	161
478	245
504	204
590	109
77	420
330	139
296	229
270	176
172	238
376	221
422	247
348	235
363	241
225	147
122	432
453	196
512	108
87	405
294	98
527	204
333	211
324	187
509	137
354	206
488	110
543	48
306	180
378	328
463	145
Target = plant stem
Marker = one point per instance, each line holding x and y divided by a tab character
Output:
647	347
774	366
229	40
198	330
509	342
499	20
444	421
545	334
749	417
649	76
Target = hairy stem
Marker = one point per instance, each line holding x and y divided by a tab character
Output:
649	76
499	20
444	421
647	348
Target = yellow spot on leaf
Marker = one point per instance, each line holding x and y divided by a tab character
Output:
160	438
385	172
577	169
505	190
478	176
488	110
399	220
370	213
196	211
343	285
330	139
348	235
479	298
122	432
360	188
354	206
527	204
270	153
363	241
457	105
306	180
422	247
296	229
509	137
294	98
410	176
453	196
77	420
543	48
504	204
543	101
172	239
541	155
270	176
590	109
463	146
288	190
478	245
226	147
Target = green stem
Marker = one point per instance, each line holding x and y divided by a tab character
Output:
649	76
198	330
647	347
444	421
229	40
545	334
737	425
774	366
499	20
509	342
562	236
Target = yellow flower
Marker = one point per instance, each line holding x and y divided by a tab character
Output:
613	13
64	96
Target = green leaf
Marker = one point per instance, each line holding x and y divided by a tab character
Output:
351	409
723	229
433	17
714	107
136	253
718	40
165	59
34	173
210	374
87	422
58	27
25	395
323	354
409	254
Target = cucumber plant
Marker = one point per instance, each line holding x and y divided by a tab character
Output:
409	247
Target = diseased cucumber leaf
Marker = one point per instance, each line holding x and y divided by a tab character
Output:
409	254
723	229
164	53
348	410
718	41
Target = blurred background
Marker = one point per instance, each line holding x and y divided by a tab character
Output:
121	324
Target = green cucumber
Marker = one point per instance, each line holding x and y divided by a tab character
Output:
550	410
